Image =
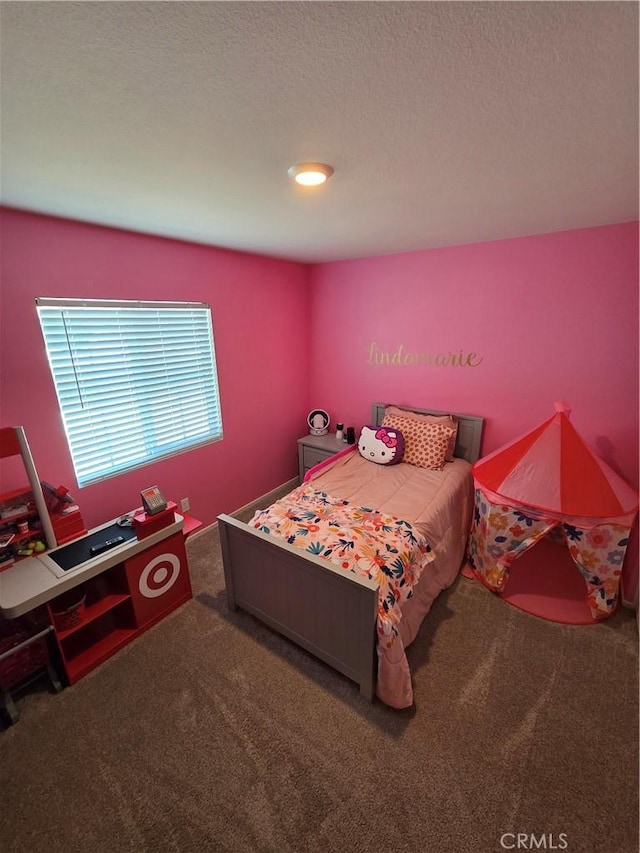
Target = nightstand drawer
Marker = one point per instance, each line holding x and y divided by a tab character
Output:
316	448
313	455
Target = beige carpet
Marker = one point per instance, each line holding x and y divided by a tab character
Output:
210	733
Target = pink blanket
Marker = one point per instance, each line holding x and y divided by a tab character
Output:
438	504
386	549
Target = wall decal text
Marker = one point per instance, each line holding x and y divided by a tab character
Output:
401	357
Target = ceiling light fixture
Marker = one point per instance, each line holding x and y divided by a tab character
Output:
310	174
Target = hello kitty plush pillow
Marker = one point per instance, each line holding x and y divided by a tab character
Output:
381	445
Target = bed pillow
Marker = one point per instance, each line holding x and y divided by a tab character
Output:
425	444
447	420
380	444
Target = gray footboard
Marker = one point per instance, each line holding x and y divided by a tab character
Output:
329	612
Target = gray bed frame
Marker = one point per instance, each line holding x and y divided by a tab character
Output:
325	610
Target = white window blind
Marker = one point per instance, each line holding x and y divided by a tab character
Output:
136	381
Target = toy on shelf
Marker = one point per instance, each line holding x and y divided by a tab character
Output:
64	513
21	533
36	516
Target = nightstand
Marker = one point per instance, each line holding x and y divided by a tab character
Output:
314	448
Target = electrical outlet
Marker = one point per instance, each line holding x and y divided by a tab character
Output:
185	506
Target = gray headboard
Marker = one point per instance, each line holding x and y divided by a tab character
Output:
469	438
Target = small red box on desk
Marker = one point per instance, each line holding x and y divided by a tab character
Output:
145	525
67	525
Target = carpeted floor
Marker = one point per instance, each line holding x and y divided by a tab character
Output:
210	733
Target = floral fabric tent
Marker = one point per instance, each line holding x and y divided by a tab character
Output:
550	480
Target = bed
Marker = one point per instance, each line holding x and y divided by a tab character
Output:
334	613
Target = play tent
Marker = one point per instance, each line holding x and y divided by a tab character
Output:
550	480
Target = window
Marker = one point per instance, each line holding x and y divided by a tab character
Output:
136	381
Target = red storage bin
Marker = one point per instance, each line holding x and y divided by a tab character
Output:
68	609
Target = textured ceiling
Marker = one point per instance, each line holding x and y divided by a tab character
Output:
446	122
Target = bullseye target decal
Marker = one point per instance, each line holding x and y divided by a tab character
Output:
157	578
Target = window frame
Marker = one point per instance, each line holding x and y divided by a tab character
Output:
207	397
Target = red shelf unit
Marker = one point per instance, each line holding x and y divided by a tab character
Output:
190	524
95	611
92	656
122	603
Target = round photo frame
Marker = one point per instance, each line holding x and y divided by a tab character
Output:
318	421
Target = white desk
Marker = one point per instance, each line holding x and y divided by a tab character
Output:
125	591
37	580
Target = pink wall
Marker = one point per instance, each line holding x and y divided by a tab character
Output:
547	317
552	317
260	310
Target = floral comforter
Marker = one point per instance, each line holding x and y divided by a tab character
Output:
381	547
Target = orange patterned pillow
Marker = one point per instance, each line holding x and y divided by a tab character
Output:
425	444
447	420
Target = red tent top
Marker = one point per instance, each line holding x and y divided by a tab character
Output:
552	469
